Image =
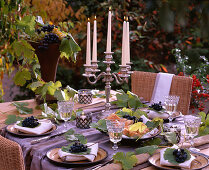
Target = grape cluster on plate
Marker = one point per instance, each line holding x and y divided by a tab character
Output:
134	118
30	122
156	106
78	147
49	38
180	155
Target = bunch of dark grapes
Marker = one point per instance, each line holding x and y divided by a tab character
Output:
180	155
78	147
47	28
156	106
30	122
48	39
134	118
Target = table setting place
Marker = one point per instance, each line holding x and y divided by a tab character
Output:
127	138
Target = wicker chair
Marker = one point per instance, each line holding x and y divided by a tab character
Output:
11	157
143	83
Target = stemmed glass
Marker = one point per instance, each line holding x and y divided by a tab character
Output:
192	124
65	109
171	103
115	131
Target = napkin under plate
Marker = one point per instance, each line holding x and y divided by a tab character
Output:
185	164
45	125
65	156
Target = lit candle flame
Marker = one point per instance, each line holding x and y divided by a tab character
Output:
110	8
88	19
95	17
126	18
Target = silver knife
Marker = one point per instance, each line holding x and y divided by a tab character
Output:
47	137
100	165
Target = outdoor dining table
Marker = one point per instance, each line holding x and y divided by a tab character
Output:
35	155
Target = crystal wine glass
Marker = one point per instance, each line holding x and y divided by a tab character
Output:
171	103
192	124
65	109
115	130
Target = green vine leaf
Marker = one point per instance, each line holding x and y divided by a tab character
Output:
70	135
127	100
171	137
21	77
53	87
60	95
147	149
100	125
168	155
155	141
127	160
28	24
33	86
22	48
133	101
20	106
69	48
12	119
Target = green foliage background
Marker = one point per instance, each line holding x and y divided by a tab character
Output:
156	27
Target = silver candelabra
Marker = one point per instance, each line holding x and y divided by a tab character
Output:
108	77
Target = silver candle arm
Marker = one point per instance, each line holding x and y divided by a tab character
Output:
108	77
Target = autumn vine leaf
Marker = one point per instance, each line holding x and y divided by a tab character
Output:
22	76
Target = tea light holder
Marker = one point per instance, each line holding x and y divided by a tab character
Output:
85	96
83	120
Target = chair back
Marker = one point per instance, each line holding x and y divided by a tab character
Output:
11	156
142	84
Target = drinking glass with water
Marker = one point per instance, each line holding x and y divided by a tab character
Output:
65	109
115	131
192	124
171	103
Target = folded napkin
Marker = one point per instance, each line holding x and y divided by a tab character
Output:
45	125
153	114
185	164
65	156
162	87
117	166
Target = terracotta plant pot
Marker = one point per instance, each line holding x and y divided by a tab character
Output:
48	59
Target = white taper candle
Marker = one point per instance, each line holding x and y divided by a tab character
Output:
128	43
88	45
108	48
123	62
94	51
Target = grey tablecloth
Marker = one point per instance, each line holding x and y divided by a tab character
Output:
35	155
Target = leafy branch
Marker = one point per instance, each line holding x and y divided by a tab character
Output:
128	99
20	106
